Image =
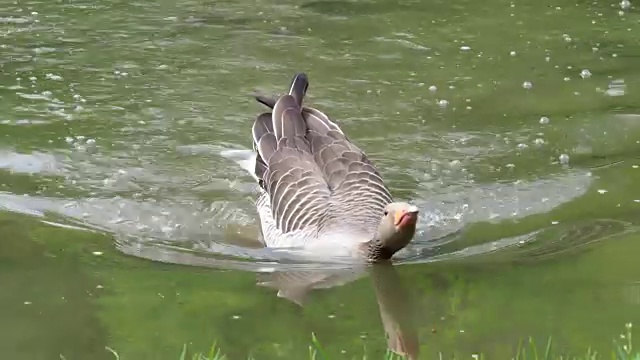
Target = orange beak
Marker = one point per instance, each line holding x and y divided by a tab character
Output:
404	218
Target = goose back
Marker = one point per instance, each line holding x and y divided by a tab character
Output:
315	182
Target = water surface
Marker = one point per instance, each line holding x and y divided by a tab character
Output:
127	223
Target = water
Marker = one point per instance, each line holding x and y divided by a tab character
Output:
128	224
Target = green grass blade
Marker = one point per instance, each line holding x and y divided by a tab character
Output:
115	354
547	351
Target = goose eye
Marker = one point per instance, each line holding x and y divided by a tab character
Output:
386	212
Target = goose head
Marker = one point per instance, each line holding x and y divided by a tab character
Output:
396	229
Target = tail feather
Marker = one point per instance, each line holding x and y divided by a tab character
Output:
319	121
286	124
266	147
287	118
262	125
298	87
266	100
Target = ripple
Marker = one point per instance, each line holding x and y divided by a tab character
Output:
34	163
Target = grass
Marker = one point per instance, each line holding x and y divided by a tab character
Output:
622	350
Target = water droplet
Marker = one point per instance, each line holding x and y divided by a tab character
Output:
538	141
522	146
544	120
433	88
585	73
465	48
564	159
443	103
527	85
513	53
625	4
602	191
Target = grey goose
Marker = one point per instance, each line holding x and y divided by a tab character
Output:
317	189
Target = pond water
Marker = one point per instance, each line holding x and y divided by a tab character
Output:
127	223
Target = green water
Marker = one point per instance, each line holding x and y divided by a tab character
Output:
123	224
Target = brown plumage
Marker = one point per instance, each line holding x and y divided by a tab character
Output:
318	188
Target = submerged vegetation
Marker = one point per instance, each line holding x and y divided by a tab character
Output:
622	350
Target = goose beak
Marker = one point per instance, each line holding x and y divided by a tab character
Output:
406	217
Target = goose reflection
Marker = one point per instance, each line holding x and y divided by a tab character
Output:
394	302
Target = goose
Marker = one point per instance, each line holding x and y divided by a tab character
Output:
317	189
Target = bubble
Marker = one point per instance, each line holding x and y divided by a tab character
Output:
465	48
585	73
433	88
443	103
625	4
538	141
53	77
522	146
544	120
513	53
564	158
527	85
566	37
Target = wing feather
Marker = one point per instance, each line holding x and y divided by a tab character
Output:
314	176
